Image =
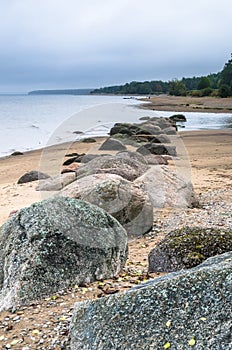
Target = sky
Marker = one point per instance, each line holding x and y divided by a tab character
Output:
56	44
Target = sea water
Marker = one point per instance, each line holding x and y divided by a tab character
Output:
33	121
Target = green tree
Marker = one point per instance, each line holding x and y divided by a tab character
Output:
226	79
177	88
224	90
204	83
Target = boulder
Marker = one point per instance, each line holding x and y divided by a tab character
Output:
17	153
70	161
178	118
151	128
70	168
129	169
32	175
162	122
55	244
167	189
190	309
88	140
112	145
122	199
154	148
153	159
56	183
137	157
163	138
188	247
170	130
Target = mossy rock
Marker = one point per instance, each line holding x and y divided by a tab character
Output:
188	247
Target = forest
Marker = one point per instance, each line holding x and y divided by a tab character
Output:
216	84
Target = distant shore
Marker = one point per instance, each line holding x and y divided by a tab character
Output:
187	104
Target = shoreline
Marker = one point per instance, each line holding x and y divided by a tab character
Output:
208	151
187	104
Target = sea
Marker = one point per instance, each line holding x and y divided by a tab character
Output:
29	122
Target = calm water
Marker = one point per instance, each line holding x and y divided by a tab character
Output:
31	122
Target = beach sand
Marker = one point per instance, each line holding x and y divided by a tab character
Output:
188	104
209	154
210	158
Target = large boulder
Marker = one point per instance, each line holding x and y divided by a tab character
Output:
122	199
128	168
167	188
154	148
190	309
57	182
112	145
32	175
188	247
54	244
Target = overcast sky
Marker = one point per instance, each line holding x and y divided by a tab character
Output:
92	43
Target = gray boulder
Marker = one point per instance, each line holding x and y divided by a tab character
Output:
112	145
137	157
56	183
122	199
156	159
129	168
151	128
169	131
190	309
54	244
32	175
154	148
167	188
88	157
188	247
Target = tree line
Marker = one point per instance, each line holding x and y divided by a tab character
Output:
216	84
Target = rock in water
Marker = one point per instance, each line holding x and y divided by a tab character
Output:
189	307
54	244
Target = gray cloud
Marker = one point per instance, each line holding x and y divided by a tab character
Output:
69	43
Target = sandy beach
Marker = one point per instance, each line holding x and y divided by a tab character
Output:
209	154
210	159
188	104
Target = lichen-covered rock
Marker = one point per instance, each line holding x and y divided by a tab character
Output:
32	175
129	168
188	247
112	145
122	199
54	244
166	188
191	305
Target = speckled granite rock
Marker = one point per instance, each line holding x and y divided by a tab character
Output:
166	188
111	144
128	168
125	201
190	306
56	183
188	247
54	244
